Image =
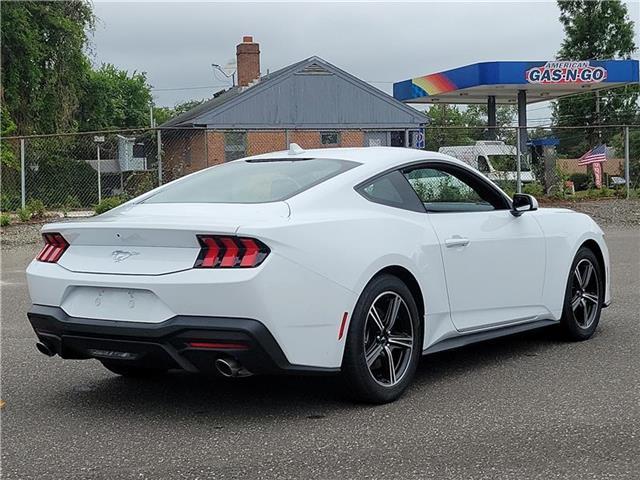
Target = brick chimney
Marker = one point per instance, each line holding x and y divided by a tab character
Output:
248	59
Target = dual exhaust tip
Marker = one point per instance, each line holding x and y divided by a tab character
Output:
228	367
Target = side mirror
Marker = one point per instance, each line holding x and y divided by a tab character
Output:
523	203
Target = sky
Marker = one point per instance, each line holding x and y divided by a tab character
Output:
176	43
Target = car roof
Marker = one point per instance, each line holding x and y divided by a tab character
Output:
376	158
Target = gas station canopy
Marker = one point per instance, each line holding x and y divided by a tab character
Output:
502	81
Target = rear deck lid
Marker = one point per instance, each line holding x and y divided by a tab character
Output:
154	239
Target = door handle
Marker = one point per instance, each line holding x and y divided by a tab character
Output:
456	241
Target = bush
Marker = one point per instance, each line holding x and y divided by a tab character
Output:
36	208
71	202
24	214
9	202
581	181
5	220
536	189
107	204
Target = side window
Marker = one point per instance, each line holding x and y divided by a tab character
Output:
391	190
445	189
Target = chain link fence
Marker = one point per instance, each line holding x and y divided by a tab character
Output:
76	171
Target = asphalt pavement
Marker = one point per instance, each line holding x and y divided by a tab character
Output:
529	406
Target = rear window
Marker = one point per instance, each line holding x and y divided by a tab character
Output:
252	181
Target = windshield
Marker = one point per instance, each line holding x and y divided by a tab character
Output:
252	181
507	163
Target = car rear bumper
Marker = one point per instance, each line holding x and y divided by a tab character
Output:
166	344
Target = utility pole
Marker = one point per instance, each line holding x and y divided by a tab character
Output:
598	116
152	122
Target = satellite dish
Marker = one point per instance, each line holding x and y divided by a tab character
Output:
231	66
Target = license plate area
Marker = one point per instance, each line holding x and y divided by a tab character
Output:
121	304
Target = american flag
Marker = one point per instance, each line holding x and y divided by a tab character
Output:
595	155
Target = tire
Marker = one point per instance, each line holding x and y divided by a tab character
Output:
373	382
583	297
132	371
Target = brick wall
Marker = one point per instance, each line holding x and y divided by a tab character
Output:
215	148
187	151
266	141
311	138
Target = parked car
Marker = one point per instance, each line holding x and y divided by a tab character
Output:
493	158
353	261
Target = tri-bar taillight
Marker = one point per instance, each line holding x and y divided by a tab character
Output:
221	251
54	246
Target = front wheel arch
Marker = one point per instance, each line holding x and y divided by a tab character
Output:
597	251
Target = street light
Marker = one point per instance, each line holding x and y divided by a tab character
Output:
98	140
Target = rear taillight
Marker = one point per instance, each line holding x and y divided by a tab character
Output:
54	246
219	251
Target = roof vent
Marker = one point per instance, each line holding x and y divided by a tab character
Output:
295	149
315	69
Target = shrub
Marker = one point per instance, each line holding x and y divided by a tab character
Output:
71	202
107	204
24	214
605	192
536	189
581	181
36	208
5	220
9	202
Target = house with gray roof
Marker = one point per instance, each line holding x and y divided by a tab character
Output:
312	103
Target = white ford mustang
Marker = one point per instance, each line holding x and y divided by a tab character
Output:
352	261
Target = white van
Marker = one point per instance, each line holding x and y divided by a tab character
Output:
494	159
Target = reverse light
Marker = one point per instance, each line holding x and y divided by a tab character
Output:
218	251
54	246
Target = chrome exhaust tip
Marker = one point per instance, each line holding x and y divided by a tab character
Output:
230	368
42	348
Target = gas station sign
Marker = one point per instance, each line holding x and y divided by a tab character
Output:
559	72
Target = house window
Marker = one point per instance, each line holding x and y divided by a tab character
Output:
330	138
235	145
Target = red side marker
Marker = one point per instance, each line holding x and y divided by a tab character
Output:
342	325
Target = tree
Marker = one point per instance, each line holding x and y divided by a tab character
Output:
598	29
114	99
43	62
164	114
472	122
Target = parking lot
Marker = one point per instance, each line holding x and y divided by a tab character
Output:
529	406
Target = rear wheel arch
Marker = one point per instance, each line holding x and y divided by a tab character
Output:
410	281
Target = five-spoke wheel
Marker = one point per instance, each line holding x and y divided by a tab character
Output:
583	297
383	342
388	338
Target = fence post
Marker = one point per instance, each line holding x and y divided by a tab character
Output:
23	173
518	163
206	145
99	176
159	142
627	176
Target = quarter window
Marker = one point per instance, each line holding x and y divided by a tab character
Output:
391	190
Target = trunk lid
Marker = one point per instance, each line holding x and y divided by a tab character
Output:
154	239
